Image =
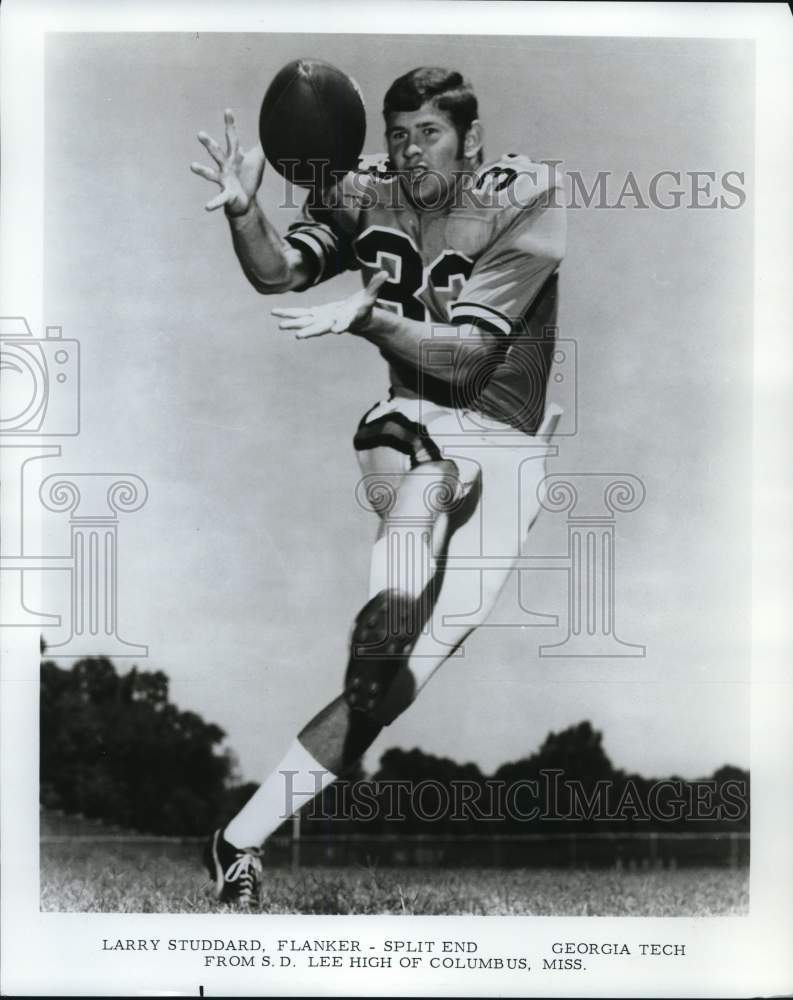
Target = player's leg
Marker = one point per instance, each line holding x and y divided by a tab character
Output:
411	538
338	735
324	749
511	474
403	562
413	557
405	552
477	494
331	742
493	535
413	560
403	583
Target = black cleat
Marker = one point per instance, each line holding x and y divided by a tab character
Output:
236	872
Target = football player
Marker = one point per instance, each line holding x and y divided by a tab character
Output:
459	260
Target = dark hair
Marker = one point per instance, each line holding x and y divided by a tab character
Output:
445	89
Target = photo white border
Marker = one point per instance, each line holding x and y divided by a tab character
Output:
43	953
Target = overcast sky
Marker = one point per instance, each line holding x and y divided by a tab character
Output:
245	568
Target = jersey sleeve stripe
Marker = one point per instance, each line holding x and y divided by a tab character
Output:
463	310
303	240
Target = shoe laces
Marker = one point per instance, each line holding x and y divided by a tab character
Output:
245	870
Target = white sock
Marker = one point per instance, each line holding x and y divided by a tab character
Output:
296	780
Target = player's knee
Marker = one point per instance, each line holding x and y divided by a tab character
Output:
378	682
432	487
391	703
381	702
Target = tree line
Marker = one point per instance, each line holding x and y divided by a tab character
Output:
115	748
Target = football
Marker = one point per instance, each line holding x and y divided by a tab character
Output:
312	123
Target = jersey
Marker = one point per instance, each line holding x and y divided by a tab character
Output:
489	257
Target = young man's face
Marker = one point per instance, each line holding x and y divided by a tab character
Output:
424	147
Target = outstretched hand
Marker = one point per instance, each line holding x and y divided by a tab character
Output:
238	173
333	317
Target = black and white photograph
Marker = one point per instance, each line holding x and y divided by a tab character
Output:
394	532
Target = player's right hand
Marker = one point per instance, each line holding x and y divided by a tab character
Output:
237	173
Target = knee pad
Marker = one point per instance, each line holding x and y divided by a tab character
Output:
378	681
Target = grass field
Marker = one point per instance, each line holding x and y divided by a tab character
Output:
165	878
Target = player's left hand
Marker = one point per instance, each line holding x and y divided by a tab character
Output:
333	317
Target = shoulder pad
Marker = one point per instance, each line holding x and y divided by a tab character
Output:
515	179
